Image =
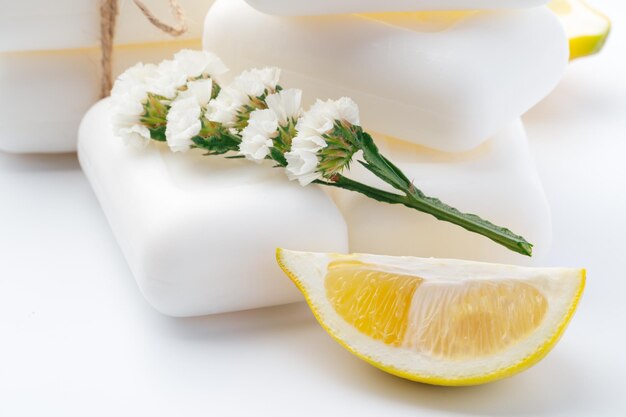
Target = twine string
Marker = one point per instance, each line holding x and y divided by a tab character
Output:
108	16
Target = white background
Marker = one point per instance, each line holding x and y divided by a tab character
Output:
78	339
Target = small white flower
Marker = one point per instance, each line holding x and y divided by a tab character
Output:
256	137
319	120
200	90
183	123
263	122
247	85
225	106
302	160
255	82
194	64
255	148
269	77
128	96
285	104
168	80
321	117
302	166
173	74
348	110
134	80
135	135
308	142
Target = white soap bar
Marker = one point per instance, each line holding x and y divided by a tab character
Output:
45	94
447	81
64	24
200	233
323	7
498	181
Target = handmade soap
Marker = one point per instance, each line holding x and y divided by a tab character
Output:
444	80
200	233
324	7
64	24
45	94
497	181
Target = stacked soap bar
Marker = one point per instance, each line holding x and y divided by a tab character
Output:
200	233
68	24
444	80
50	60
446	90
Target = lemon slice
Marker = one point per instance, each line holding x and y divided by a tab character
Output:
438	321
587	29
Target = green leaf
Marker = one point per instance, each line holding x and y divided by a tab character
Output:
217	144
379	165
278	156
157	133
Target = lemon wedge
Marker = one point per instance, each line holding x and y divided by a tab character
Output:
587	29
438	321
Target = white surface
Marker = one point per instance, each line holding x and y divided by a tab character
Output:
64	24
200	233
497	181
323	7
63	84
79	339
447	82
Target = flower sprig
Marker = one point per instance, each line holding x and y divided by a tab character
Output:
185	103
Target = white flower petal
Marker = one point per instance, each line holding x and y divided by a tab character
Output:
257	135
269	77
128	97
134	81
195	64
285	104
348	110
255	148
183	123
319	119
264	121
224	108
200	90
135	135
254	82
167	80
302	166
311	143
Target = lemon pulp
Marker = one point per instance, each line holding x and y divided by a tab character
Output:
449	320
376	303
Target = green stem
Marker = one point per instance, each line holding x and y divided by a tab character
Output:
439	210
416	199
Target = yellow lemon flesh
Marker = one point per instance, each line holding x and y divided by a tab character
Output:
587	29
438	321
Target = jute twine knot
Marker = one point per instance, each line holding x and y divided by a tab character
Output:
108	16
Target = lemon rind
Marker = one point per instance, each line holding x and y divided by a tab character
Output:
519	366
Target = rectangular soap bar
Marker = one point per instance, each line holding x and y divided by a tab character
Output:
324	7
65	24
497	181
448	81
200	233
45	94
